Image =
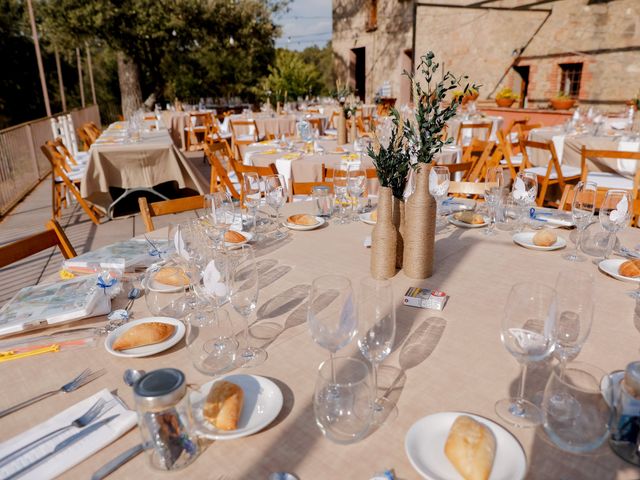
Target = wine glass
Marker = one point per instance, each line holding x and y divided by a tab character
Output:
243	294
582	424
377	316
341	192
276	195
210	340
524	192
615	213
342	400
439	180
582	209
211	285
356	186
222	212
165	285
331	312
494	181
527	332
251	196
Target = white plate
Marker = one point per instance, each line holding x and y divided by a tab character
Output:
293	226
248	236
262	404
147	349
611	266
424	445
366	218
525	239
458	223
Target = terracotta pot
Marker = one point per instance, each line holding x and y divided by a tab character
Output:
505	102
342	130
420	226
383	238
562	103
398	222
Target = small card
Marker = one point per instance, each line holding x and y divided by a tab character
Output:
425	298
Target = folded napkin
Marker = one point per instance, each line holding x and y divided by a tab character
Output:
350	157
271	151
291	156
84	448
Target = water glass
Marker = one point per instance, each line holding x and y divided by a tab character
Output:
341	192
615	214
356	186
166	284
323	201
582	209
222	214
494	182
439	180
276	196
342	400
524	192
210	340
507	213
577	416
251	195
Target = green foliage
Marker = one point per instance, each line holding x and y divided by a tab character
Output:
392	162
424	135
507	93
322	61
291	77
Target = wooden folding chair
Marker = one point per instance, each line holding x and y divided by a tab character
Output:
61	184
197	130
332	123
316	124
457	167
53	236
515	123
478	152
552	174
217	153
241	168
166	207
608	179
484	126
238	139
84	137
306	188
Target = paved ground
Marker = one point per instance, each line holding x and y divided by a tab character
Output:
30	216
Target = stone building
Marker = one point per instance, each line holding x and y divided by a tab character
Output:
588	49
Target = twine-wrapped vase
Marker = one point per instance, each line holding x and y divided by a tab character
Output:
398	222
383	239
420	227
342	129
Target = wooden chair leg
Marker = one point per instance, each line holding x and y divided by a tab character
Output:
543	192
89	211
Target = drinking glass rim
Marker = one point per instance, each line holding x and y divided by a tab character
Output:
331	381
587	368
336	276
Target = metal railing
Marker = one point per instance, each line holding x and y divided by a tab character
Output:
22	163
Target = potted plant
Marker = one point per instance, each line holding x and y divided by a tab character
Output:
470	95
562	101
423	137
506	97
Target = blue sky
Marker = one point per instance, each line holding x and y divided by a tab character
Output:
307	23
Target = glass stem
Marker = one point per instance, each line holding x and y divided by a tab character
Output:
610	242
255	221
375	381
520	396
246	333
579	237
492	218
333	371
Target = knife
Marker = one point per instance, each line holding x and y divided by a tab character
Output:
114	464
63	445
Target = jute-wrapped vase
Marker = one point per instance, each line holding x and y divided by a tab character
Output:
383	238
420	228
342	130
398	222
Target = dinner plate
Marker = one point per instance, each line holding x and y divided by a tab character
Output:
425	440
525	239
366	218
248	236
262	404
611	266
146	350
458	223
293	226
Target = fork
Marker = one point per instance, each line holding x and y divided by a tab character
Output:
80	422
85	377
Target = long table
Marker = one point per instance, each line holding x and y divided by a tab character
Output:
453	360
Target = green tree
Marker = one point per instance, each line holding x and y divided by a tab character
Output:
322	60
290	77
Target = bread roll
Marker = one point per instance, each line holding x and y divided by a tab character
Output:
471	448
172	276
469	217
224	405
545	238
143	334
302	219
630	268
232	236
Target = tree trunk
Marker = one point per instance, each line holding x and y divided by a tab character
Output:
130	93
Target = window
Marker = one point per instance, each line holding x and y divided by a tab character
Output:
372	18
571	74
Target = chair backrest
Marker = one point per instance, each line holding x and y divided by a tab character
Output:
334	116
466	188
549	148
306	188
478	152
166	207
64	151
524	130
244	123
457	167
614	154
25	247
217	153
241	168
474	126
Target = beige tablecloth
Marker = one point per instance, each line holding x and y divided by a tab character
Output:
150	162
453	361
268	125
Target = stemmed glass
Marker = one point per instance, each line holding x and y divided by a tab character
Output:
331	314
251	196
356	186
582	209
341	192
494	181
243	294
377	315
210	340
524	192
275	188
527	332
222	214
615	213
439	180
